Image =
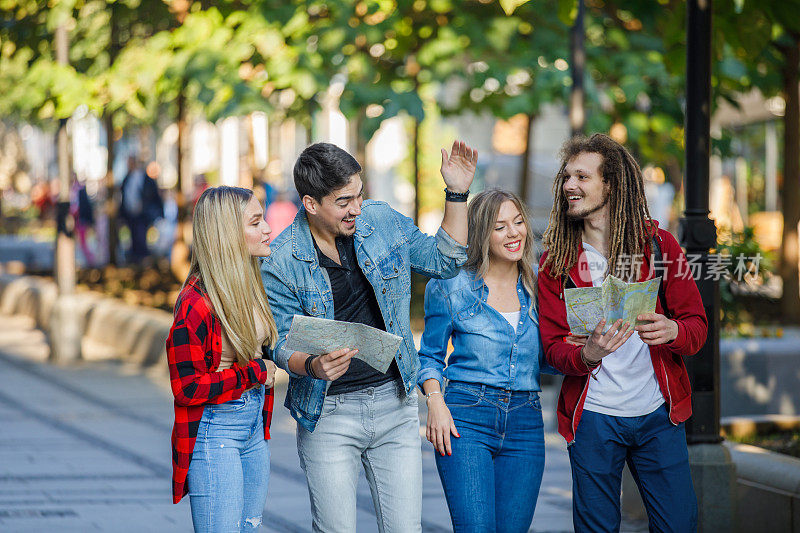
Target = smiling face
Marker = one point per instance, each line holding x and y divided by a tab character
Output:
507	240
256	229
583	185
336	213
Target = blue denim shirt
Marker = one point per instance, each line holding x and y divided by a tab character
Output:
388	246
486	349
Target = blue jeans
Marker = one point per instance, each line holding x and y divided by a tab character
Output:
492	480
655	450
377	428
228	475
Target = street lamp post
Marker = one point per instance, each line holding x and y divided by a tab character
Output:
712	469
577	37
65	334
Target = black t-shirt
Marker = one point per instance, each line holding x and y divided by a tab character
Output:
354	301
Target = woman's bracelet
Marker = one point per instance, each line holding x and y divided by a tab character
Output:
429	394
309	368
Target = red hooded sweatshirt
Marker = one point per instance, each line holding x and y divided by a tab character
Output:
684	306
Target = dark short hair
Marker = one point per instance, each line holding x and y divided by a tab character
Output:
323	168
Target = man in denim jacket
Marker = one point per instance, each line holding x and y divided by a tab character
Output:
348	259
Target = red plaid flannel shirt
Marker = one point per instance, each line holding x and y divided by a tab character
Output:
193	353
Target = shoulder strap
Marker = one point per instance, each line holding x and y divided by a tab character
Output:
658	259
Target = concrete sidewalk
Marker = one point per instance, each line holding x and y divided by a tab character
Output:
86	448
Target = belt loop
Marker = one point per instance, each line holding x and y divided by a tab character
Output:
483	390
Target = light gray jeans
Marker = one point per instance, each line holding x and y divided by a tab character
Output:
378	427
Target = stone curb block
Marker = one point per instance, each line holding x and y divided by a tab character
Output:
108	328
28	296
743	426
768	489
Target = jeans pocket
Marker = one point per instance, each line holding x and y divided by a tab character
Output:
232	406
457	397
536	404
329	406
411	399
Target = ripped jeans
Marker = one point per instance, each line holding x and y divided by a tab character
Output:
228	475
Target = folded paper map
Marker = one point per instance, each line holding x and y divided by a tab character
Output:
614	299
317	336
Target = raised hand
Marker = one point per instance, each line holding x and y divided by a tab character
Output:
600	345
458	168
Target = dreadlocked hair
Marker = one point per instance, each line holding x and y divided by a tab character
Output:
630	218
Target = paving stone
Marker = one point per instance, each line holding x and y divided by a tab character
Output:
86	448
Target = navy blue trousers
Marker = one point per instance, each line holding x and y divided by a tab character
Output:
655	450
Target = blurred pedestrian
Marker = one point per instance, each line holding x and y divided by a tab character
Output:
82	213
199	185
490	474
140	207
43	198
220	379
280	213
167	226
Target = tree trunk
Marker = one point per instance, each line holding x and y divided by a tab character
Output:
790	300
251	155
64	330
524	176
110	207
180	257
65	244
417	177
359	144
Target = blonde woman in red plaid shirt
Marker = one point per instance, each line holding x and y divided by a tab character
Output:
221	383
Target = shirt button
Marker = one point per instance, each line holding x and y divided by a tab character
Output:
390	325
383	291
367	262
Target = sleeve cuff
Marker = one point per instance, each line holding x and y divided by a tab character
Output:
678	342
256	369
449	247
281	358
429	373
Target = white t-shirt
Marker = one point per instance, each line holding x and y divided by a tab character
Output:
512	317
626	383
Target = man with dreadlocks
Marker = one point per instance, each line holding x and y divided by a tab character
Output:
625	393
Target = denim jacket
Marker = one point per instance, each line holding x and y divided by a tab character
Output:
388	246
486	349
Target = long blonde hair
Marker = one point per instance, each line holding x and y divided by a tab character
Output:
229	274
481	219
